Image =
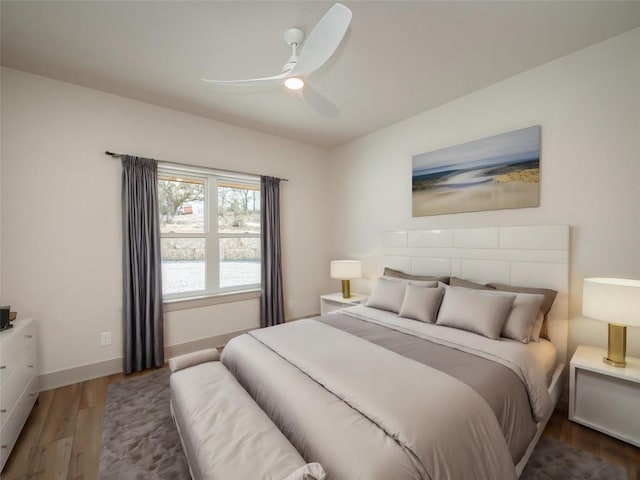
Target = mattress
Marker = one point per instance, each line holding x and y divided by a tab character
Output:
371	395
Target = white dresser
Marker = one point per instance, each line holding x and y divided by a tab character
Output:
18	381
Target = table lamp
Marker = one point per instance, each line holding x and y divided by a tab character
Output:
616	301
346	270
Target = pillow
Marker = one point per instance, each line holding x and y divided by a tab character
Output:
390	272
537	327
421	303
549	297
419	283
387	295
475	311
522	317
459	282
194	358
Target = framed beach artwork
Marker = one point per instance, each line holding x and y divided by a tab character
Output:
494	173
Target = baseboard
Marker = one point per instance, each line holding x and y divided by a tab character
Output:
61	378
82	373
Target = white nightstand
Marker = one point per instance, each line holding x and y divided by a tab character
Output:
335	301
603	397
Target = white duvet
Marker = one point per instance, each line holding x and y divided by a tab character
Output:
342	402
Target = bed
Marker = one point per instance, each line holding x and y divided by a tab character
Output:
372	394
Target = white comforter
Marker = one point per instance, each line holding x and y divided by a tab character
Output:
341	401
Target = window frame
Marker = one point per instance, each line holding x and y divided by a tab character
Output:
211	234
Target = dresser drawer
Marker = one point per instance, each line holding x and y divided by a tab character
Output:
16	344
10	431
16	385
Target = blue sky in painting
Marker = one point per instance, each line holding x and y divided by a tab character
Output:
506	148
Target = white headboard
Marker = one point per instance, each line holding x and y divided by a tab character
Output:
527	256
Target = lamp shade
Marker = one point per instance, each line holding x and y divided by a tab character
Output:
612	300
346	269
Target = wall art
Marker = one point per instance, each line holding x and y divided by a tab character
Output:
494	173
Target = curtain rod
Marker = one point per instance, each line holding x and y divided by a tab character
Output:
119	155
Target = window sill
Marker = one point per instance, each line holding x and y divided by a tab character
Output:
208	300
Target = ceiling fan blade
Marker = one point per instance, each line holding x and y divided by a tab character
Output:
252	82
323	40
319	102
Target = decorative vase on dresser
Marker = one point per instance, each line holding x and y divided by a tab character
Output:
18	382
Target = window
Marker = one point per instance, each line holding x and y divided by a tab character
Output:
210	233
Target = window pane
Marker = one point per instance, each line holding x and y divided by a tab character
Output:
238	208
181	204
239	262
183	265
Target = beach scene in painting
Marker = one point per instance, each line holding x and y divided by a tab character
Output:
494	173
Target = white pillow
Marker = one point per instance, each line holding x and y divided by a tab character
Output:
476	311
421	303
522	318
387	295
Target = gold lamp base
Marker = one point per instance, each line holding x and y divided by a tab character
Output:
617	347
346	289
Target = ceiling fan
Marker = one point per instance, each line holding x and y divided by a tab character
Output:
319	46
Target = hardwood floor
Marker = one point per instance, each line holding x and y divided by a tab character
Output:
61	439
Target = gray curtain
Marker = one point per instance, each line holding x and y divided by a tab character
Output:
272	298
142	285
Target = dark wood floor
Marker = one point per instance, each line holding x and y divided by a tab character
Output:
61	439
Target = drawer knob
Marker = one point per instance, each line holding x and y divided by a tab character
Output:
28	336
3	446
2	367
4	410
30	366
32	394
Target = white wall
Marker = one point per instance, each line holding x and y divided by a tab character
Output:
61	232
588	104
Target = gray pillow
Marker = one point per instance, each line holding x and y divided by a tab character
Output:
549	297
421	303
522	318
475	311
390	272
387	295
459	282
406	281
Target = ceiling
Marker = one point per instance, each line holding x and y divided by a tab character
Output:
396	60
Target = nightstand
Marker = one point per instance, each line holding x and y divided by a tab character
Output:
335	301
603	397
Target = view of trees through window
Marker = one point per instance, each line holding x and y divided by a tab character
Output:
175	197
191	262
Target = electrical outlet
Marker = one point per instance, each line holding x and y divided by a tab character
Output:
105	339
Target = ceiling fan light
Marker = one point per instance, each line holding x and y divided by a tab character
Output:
294	83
